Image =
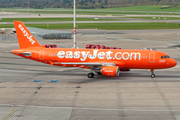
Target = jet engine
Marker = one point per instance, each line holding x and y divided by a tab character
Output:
111	71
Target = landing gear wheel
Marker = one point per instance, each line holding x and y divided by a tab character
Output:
90	75
152	73
153	76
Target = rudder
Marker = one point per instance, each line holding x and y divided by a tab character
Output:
25	38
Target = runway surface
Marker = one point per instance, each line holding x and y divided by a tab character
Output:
133	95
126	21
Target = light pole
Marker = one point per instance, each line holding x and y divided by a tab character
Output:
74	42
28	7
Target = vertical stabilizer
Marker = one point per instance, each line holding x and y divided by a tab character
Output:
25	38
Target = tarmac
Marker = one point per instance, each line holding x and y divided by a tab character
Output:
134	95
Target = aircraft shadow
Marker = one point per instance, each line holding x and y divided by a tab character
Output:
122	75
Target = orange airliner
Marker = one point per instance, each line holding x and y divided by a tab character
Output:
108	62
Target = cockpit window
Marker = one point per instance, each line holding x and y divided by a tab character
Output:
165	57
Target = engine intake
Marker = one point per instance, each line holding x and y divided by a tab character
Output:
111	71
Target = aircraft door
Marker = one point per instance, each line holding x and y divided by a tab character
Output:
151	57
41	54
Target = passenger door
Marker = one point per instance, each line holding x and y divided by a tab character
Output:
41	54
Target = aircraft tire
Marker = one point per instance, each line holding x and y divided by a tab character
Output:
90	75
153	76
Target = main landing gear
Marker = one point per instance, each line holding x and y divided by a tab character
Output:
152	73
90	75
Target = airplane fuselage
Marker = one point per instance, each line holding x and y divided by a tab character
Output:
133	59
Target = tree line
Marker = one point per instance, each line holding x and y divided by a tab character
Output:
83	4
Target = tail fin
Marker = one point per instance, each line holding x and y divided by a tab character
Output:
25	38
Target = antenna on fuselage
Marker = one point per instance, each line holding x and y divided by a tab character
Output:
74	42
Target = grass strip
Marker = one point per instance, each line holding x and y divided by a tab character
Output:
105	26
98	13
156	18
155	8
92	12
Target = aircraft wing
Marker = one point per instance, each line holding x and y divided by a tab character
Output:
89	64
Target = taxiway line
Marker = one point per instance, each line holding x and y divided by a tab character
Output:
10	114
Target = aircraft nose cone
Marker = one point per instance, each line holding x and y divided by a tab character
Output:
173	63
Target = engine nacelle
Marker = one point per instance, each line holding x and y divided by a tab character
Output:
111	71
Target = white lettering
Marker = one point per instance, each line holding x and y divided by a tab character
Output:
101	55
77	54
69	54
118	57
84	55
125	57
94	54
61	54
22	29
134	55
26	34
30	37
109	55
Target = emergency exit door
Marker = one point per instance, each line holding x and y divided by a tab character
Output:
151	57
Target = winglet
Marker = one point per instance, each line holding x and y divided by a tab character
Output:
25	38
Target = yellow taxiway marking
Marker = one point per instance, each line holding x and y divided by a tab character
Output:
10	114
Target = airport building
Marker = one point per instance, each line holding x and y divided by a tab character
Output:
49	34
8	34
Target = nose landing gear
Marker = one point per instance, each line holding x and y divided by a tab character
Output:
152	73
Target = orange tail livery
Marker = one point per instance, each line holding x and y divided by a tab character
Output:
108	62
25	38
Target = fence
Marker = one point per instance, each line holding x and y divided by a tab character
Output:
8	37
50	34
37	36
40	34
14	37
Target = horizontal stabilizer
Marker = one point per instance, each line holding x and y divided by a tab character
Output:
22	53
